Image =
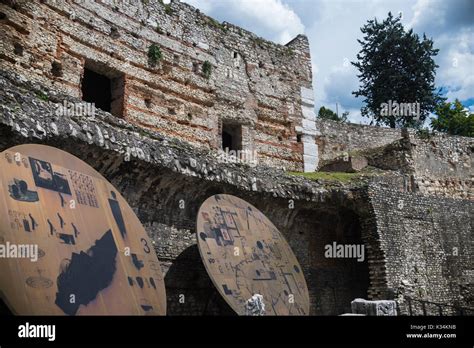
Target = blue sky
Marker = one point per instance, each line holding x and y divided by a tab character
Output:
333	27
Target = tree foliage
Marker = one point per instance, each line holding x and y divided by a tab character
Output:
328	114
453	118
395	65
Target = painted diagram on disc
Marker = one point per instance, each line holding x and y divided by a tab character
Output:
247	257
93	255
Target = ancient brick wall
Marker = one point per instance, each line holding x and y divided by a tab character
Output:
409	237
422	249
166	180
211	75
337	138
265	88
443	165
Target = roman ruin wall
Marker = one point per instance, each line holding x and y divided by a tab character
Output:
173	69
154	142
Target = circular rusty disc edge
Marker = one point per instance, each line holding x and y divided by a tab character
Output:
245	256
136	286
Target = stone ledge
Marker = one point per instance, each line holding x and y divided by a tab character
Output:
27	110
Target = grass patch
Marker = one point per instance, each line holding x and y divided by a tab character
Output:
216	24
168	9
329	176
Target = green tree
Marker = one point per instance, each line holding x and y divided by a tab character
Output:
328	114
395	65
453	118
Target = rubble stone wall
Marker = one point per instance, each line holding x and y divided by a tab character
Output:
422	249
418	244
444	165
337	138
165	181
252	83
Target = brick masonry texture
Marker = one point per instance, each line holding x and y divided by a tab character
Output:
439	164
425	249
156	174
337	138
254	84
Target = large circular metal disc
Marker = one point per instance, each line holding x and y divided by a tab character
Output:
93	256
245	255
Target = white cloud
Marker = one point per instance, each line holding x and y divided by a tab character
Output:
456	61
440	16
333	27
271	19
424	11
205	6
451	24
339	84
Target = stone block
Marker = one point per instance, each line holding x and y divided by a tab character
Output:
307	96
374	308
347	165
310	148
307	132
203	46
308	125
310	163
308	113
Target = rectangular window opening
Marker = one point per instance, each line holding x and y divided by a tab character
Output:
104	87
231	138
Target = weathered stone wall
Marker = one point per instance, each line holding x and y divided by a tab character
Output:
444	165
337	138
423	249
156	174
255	84
165	181
307	227
440	164
151	161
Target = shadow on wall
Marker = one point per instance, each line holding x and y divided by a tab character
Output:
338	279
189	290
333	280
155	196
